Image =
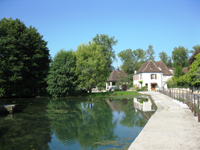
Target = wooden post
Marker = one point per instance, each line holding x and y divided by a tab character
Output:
191	103
198	111
194	107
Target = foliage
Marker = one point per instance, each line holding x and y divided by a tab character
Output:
62	79
178	82
27	129
128	80
132	60
142	99
91	65
107	44
124	87
180	57
24	59
170	82
87	122
144	88
182	81
163	56
106	94
140	82
150	53
167	60
2	92
196	51
193	74
178	71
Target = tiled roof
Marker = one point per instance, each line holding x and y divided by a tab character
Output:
185	70
149	66
115	74
158	66
163	67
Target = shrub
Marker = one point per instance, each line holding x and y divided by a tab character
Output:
140	82
144	88
124	87
137	89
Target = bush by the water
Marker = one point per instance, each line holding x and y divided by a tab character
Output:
124	87
144	88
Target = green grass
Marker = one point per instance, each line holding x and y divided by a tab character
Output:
114	93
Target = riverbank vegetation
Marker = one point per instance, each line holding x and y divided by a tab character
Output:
112	93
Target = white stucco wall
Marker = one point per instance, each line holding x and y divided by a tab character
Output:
165	78
146	78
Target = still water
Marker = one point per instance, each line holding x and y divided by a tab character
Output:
74	123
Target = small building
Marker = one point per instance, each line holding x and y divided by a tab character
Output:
153	74
114	77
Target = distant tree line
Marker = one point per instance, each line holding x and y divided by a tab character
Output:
191	64
133	59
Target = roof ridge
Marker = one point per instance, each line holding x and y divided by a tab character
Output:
146	65
155	65
160	62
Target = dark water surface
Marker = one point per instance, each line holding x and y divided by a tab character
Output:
74	123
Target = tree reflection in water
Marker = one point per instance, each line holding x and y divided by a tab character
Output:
27	130
86	122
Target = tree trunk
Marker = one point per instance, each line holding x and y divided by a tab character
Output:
90	90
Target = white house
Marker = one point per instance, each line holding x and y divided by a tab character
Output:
153	75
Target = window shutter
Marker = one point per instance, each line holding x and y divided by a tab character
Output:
155	76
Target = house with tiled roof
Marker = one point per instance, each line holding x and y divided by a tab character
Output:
114	78
153	74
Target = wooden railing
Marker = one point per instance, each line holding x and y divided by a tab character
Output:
187	97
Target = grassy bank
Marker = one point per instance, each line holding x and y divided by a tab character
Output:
113	93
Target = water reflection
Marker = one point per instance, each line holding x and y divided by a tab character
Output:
144	106
62	123
27	130
86	122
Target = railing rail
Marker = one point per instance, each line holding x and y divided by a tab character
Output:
187	97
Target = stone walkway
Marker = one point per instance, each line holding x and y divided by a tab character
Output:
172	127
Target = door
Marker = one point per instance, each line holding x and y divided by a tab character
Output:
153	87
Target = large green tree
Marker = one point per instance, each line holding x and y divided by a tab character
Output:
24	59
62	79
150	53
91	65
163	56
132	59
180	56
193	75
107	44
195	52
180	60
167	60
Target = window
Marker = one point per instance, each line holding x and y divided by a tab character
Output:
153	76
136	77
140	76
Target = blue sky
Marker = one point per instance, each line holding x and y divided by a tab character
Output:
165	24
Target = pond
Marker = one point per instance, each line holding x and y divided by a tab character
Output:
74	123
